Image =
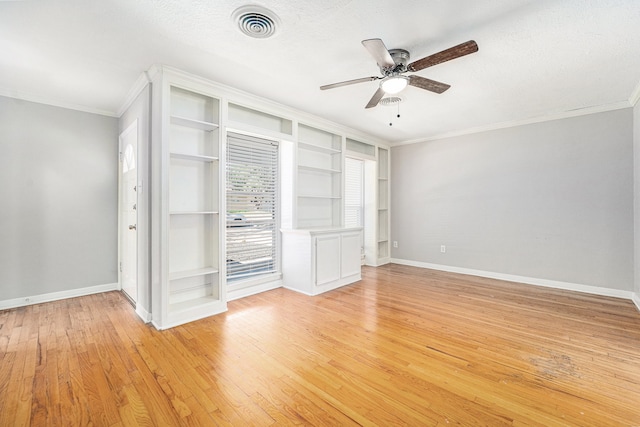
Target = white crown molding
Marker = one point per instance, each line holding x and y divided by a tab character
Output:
635	95
246	99
540	119
48	101
587	289
141	82
55	296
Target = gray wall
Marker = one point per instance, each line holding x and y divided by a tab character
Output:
58	189
551	200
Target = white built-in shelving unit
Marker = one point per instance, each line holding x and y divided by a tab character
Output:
319	253
319	178
383	244
187	203
191	119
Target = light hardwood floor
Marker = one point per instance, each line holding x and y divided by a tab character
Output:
405	346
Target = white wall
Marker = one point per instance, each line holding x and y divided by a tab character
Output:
58	187
551	201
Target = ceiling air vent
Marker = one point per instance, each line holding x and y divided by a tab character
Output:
256	21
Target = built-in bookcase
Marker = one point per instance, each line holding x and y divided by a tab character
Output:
319	178
383	205
189	259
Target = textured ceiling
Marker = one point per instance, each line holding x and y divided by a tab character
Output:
536	58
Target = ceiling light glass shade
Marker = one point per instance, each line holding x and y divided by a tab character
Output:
394	84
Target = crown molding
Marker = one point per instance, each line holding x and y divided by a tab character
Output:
9	93
249	100
141	82
635	95
540	119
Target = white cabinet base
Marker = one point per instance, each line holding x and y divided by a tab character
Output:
319	260
190	311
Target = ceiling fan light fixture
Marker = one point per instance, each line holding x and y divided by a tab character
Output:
394	84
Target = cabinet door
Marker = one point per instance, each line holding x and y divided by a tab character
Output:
327	259
351	244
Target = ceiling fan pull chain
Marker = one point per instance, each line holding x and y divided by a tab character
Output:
397	114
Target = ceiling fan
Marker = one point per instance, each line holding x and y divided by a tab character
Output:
393	64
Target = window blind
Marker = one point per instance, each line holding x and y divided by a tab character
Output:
252	199
353	193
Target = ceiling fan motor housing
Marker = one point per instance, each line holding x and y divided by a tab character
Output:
401	58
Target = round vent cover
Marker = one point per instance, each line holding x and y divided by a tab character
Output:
256	21
390	101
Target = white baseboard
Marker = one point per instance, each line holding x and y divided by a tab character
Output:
636	300
596	290
252	290
143	314
379	262
55	296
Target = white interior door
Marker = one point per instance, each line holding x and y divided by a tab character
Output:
128	211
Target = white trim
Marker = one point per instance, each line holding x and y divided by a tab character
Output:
588	289
142	82
131	128
635	95
234	294
55	296
191	314
249	100
540	119
320	289
9	93
381	261
143	314
635	297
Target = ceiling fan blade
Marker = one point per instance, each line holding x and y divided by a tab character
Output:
428	84
379	51
349	82
375	98
446	55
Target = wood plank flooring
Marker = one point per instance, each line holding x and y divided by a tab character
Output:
405	346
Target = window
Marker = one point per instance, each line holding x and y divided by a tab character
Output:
353	193
252	197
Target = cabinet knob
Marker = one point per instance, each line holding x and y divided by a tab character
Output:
132	227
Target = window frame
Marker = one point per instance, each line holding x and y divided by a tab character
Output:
242	281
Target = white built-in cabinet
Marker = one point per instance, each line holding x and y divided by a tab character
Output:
318	253
189	121
187	228
319	260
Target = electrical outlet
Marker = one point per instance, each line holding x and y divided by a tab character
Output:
443	248
395	243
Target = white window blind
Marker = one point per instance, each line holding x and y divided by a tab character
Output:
353	193
252	198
